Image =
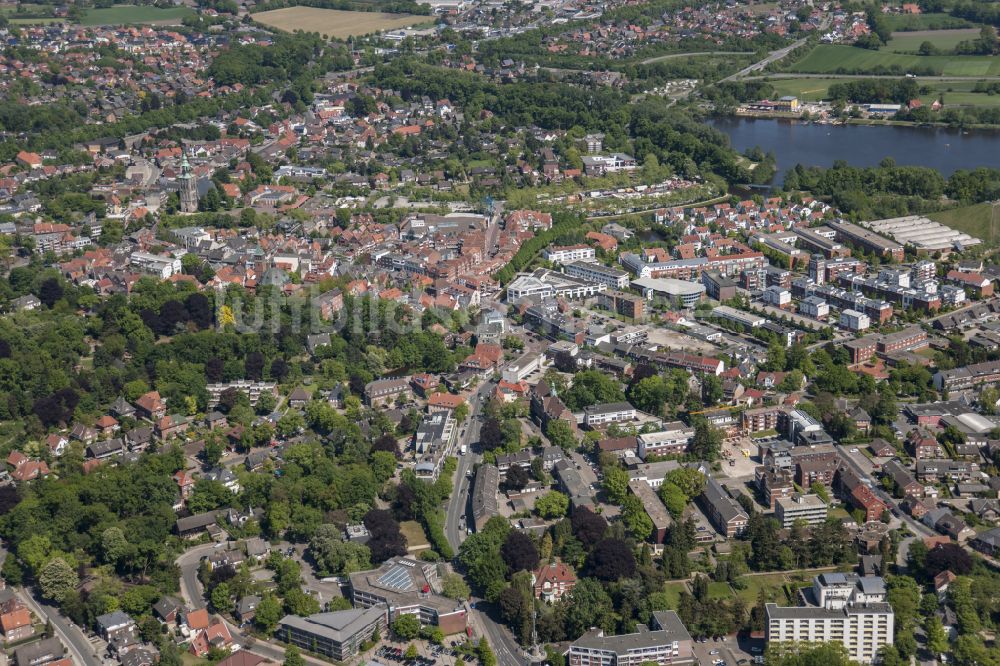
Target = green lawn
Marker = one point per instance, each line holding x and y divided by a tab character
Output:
133	14
808	90
673	592
771	584
413	532
834	58
945	40
925	22
973	220
718	590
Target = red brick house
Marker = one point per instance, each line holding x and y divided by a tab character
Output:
151	406
863	498
15	620
553	581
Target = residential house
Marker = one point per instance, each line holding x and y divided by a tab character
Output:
553	580
151	406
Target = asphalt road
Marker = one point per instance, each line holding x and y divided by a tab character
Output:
808	75
915	526
507	650
459	502
773	56
189	562
71	636
191	593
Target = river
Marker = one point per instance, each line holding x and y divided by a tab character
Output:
794	142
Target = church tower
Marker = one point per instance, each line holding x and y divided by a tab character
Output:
189	187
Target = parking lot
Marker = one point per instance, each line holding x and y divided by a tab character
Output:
727	651
427	654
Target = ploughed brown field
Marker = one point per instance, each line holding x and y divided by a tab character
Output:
334	22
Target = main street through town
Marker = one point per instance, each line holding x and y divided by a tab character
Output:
506	648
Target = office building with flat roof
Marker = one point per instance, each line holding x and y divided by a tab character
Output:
408	586
337	635
809	508
665	641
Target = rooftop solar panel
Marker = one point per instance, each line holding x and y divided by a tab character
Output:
397	578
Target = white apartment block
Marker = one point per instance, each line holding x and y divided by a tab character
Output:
566	254
155	264
612	412
779	297
853	320
674	439
809	508
251	389
592	272
848	609
862	629
665	642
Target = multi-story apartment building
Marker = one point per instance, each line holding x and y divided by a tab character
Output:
384	391
726	515
967	376
627	305
612	412
593	272
810	508
673	439
665	641
155	264
853	320
846	609
566	254
253	390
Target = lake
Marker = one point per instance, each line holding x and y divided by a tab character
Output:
794	142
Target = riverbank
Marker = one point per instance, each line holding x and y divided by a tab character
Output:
888	122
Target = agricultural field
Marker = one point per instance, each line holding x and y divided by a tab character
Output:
944	40
973	220
834	58
335	22
910	22
134	15
958	93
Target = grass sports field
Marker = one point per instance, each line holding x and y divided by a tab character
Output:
132	14
945	40
831	58
334	22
